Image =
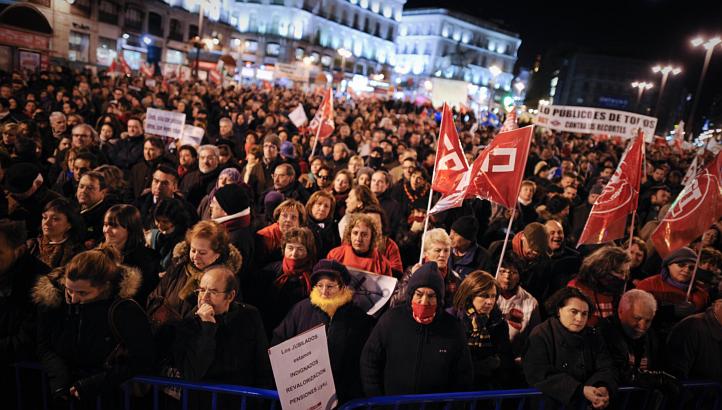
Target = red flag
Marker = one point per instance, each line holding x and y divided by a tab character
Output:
114	67
450	163
510	122
698	206
322	123
147	69
124	67
608	217
496	174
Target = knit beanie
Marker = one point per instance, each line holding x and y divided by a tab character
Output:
680	255
427	276
232	198
287	149
467	227
536	236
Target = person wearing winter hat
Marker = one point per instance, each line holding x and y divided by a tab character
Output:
331	304
287	150
402	355
28	196
670	287
467	255
230	207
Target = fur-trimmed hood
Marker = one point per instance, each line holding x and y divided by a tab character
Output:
234	261
49	291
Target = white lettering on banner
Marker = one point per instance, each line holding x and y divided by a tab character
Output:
164	123
688	195
302	370
500	152
586	120
451	156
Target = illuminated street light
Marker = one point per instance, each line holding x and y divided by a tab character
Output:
495	71
666	71
344	55
147	40
642	86
708	45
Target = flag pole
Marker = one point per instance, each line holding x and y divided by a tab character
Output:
315	143
506	240
426	219
631	230
694	274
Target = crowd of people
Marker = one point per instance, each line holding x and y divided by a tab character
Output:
124	253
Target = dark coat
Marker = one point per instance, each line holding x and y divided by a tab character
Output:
405	357
195	185
127	152
93	219
30	209
477	257
147	261
393	211
17	313
231	351
327	237
560	363
628	354
694	348
346	333
75	341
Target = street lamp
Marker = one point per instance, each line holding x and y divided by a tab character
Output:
642	86
344	55
494	70
709	45
666	70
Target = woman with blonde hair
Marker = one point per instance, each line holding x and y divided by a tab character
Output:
359	248
206	244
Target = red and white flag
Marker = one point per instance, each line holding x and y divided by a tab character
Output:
698	206
124	67
322	123
147	69
510	122
451	162
608	217
496	174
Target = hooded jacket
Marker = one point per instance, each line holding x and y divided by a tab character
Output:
76	341
403	356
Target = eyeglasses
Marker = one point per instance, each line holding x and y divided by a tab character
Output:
688	265
323	177
327	287
212	292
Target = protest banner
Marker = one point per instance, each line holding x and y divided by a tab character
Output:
298	116
587	120
302	370
371	291
192	135
164	123
295	72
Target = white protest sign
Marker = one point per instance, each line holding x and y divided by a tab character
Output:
164	123
191	135
302	370
298	116
371	291
587	120
295	72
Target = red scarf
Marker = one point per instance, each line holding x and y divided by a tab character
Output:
295	268
272	237
248	147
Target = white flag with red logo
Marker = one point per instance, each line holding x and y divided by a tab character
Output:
497	172
608	217
322	123
450	163
698	206
510	122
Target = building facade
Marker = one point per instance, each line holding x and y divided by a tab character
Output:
447	44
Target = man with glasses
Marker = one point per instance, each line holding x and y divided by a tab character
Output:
84	137
285	183
198	183
223	341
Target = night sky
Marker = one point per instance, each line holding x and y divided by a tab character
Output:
655	30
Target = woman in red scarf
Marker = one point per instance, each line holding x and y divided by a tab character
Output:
437	248
289	214
287	282
359	248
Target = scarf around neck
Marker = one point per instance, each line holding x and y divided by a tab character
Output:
295	268
332	304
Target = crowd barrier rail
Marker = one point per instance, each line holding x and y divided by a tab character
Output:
697	395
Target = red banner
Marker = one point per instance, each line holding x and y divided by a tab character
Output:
323	117
450	163
620	196
697	207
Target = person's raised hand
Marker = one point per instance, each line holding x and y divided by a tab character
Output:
206	313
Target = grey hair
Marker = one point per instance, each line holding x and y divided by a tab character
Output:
93	132
209	147
630	297
57	114
437	235
225	120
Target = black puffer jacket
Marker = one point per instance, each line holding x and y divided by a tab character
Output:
403	356
560	363
75	341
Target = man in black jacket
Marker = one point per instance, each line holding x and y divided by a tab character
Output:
380	183
694	346
417	347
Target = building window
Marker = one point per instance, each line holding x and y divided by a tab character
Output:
78	47
133	58
106	51
176	30
108	12
299	53
81	8
174	57
134	19
251	46
155	24
192	31
273	49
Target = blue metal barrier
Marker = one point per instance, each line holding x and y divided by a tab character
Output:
699	395
264	399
